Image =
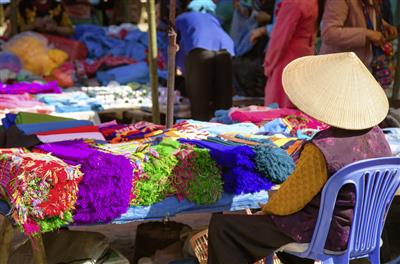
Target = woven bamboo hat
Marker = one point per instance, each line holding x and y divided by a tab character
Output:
336	89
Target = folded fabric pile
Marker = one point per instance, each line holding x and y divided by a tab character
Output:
135	132
30	88
105	190
42	190
71	102
22	102
48	129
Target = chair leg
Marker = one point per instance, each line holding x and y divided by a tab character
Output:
39	254
6	237
269	259
375	256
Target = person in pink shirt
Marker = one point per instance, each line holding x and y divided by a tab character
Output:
293	36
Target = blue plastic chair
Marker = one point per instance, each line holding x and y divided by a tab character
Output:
376	182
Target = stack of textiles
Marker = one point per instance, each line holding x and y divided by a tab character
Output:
71	102
22	102
47	129
42	190
30	88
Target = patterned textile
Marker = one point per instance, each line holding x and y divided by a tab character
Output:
42	189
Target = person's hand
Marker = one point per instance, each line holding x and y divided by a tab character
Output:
390	31
376	37
263	18
257	33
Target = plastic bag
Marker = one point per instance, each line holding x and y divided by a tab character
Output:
32	49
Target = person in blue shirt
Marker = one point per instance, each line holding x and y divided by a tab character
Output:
204	57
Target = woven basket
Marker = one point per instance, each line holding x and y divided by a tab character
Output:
199	243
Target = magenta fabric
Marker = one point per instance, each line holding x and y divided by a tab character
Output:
293	37
340	148
31	88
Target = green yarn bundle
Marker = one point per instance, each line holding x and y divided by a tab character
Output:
205	186
156	185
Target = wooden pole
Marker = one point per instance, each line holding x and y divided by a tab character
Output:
171	64
396	85
39	253
6	237
14	17
153	59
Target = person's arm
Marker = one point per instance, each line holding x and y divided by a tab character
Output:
335	33
286	23
302	186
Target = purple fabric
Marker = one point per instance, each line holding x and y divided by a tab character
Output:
104	192
31	88
239	171
340	148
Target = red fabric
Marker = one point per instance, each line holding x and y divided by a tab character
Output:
107	61
75	49
82	129
293	37
64	75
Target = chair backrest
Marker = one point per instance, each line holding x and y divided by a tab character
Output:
376	182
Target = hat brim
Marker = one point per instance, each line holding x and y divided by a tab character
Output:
336	89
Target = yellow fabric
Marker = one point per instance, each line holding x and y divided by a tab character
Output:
32	50
300	188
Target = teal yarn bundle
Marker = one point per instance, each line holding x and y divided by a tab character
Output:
274	162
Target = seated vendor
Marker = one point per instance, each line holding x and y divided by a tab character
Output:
338	90
44	16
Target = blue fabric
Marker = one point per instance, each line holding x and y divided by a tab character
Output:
222	116
30	129
243	34
138	72
9	120
200	30
276	126
171	206
4	208
71	102
270	27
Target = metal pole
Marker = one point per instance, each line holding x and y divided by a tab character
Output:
171	64
153	59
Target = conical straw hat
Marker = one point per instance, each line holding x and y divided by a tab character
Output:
336	89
